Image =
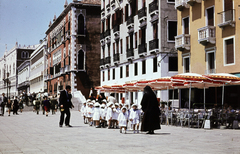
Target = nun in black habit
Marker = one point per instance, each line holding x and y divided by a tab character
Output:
151	120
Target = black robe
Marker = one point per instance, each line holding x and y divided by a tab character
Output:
151	120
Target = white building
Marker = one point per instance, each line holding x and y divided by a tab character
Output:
23	72
9	63
37	66
137	42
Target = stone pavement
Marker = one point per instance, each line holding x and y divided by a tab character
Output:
37	134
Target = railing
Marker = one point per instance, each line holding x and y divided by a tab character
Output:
103	9
116	28
180	4
182	41
191	2
102	62
130	20
107	60
107	33
116	57
226	18
206	33
112	2
153	6
210	71
142	12
153	44
108	6
130	53
142	48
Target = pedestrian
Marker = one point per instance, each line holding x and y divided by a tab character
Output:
135	118
83	110
65	103
4	102
46	104
21	105
149	103
109	115
9	106
96	115
111	98
53	105
122	120
103	116
116	112
15	106
90	111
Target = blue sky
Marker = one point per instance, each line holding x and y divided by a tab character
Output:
26	21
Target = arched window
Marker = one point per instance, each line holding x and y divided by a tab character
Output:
27	55
13	68
10	70
80	60
81	24
23	54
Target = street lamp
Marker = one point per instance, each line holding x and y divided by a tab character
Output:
7	81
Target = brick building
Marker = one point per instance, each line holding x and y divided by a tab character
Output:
73	48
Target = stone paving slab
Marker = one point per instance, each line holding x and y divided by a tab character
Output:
29	133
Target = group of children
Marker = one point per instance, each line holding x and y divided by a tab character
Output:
111	115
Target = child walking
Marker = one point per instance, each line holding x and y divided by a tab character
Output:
122	120
96	115
83	110
90	111
135	118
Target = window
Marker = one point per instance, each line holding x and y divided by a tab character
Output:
13	69
126	12
171	1
135	40
113	74
186	25
103	75
173	64
186	63
108	75
117	43
155	30
131	40
155	64
210	62
121	72
127	70
121	46
144	67
109	50
210	16
114	48
127	42
23	55
142	36
171	93
81	24
80	60
136	69
172	30
229	51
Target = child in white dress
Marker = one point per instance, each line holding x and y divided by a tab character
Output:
122	120
90	112
116	112
109	114
135	117
97	114
83	110
103	115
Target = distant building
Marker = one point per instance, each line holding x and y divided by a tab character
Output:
73	48
137	43
9	63
23	73
37	66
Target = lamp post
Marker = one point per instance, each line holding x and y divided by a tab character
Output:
7	81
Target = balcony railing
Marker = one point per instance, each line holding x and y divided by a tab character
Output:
107	60
142	13
226	18
181	4
130	53
116	28
182	42
153	44
116	57
153	6
192	2
130	20
107	33
102	62
206	34
67	68
142	48
62	70
112	2
103	9
108	7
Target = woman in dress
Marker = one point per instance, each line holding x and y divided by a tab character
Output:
151	120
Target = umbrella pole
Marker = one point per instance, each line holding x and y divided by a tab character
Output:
204	95
222	102
172	105
167	106
189	104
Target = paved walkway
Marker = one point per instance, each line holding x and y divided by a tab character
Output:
37	134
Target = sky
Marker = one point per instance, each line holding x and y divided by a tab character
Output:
26	21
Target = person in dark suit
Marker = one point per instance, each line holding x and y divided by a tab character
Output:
4	102
65	103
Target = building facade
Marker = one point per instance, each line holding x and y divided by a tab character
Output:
73	48
207	43
137	43
9	63
37	66
23	73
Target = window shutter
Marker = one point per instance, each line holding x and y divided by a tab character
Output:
140	36
228	5
229	51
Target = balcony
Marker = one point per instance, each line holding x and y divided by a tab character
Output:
102	62
62	70
153	7
107	60
181	4
210	71
226	18
206	35
130	53
116	57
116	28
142	13
182	42
108	7
192	2
103	9
142	48
113	4
67	68
153	44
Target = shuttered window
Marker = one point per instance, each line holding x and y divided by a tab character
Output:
229	51
135	39
228	5
186	25
210	16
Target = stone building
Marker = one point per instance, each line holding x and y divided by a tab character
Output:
73	48
9	63
137	43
